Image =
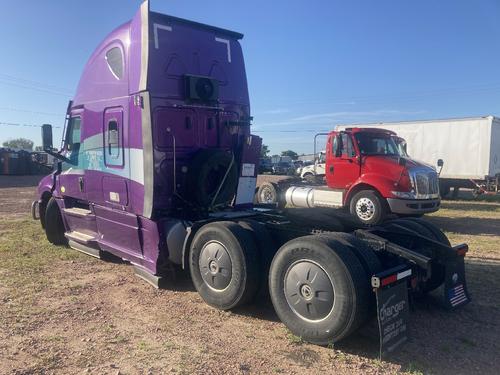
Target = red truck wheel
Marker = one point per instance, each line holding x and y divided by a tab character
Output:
368	207
224	265
319	289
268	193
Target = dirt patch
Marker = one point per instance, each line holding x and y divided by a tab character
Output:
66	313
16	195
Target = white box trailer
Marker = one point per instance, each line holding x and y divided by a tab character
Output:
469	147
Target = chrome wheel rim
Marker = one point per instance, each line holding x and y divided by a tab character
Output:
309	291
267	196
365	209
215	266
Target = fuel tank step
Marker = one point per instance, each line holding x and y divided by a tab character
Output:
80	237
85	249
77	211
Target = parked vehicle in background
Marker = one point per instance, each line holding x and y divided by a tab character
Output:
365	172
150	172
469	147
21	162
316	170
284	168
265	166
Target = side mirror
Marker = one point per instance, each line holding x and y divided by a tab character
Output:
402	161
47	137
440	163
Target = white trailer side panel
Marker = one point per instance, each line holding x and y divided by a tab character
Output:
463	144
495	148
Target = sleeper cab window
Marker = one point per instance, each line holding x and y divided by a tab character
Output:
113	140
114	58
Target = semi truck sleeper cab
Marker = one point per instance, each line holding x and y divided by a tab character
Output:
159	167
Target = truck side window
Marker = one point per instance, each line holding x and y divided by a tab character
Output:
73	138
347	146
112	140
114	59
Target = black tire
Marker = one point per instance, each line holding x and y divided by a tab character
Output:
365	254
346	290
436	232
228	289
266	249
208	169
268	193
42	208
54	225
309	177
425	229
368	207
370	262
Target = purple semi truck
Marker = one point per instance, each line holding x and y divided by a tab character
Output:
158	167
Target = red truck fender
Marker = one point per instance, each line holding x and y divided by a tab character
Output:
370	181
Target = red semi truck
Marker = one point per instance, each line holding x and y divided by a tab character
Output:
367	172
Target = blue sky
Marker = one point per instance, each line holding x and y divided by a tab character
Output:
310	64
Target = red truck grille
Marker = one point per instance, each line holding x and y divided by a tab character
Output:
426	184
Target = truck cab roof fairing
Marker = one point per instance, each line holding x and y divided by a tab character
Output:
166	48
179	47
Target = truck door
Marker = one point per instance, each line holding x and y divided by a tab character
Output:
118	228
71	181
343	168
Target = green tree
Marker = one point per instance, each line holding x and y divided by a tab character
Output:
264	151
21	143
290	153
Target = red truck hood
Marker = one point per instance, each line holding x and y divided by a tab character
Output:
388	165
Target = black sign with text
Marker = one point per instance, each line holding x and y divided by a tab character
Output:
393	312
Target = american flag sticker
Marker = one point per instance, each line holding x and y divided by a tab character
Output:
456	295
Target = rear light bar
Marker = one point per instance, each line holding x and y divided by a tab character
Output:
391	276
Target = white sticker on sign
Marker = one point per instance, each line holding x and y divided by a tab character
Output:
114	197
248	170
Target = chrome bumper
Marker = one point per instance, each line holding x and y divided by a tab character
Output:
413	206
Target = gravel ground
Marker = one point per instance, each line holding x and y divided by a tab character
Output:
62	312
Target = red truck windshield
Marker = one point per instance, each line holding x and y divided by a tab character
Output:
376	144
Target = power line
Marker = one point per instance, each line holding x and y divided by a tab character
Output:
47	91
34	83
24	125
400	97
291	131
30	111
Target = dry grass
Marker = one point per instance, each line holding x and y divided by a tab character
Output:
63	312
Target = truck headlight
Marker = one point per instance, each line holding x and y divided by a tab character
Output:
404	194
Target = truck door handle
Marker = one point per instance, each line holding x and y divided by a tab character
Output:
331	168
80	184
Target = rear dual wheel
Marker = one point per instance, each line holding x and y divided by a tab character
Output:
425	229
319	288
224	264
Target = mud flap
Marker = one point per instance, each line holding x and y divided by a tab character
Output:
393	311
455	288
